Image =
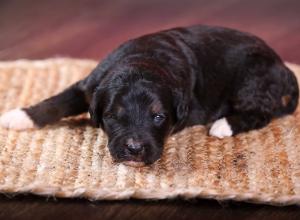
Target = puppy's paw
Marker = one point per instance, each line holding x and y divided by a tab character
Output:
221	129
16	119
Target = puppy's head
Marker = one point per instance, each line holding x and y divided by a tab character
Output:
137	114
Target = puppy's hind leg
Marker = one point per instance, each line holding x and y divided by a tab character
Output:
252	109
71	101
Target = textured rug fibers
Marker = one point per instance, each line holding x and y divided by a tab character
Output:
70	158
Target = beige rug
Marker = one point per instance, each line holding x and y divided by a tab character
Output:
70	159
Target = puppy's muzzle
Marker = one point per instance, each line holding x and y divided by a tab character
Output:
134	148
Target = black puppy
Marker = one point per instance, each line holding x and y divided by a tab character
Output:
157	84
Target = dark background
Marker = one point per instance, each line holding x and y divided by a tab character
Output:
37	29
90	29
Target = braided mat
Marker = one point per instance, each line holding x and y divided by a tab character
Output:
70	158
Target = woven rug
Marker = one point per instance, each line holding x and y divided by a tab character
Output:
70	158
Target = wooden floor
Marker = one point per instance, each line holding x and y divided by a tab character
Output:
90	29
36	29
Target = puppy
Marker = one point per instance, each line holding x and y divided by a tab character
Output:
158	84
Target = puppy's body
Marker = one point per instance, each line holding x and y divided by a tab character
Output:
160	83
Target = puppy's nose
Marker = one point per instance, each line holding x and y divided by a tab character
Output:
134	147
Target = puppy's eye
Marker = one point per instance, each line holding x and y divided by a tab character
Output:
108	116
158	118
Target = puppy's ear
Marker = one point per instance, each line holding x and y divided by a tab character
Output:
96	107
181	105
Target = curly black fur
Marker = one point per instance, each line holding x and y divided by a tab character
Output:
160	83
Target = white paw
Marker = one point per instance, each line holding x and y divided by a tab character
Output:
16	119
220	129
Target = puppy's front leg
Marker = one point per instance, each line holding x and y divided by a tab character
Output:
71	101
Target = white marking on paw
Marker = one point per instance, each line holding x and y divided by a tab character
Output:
16	119
220	129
